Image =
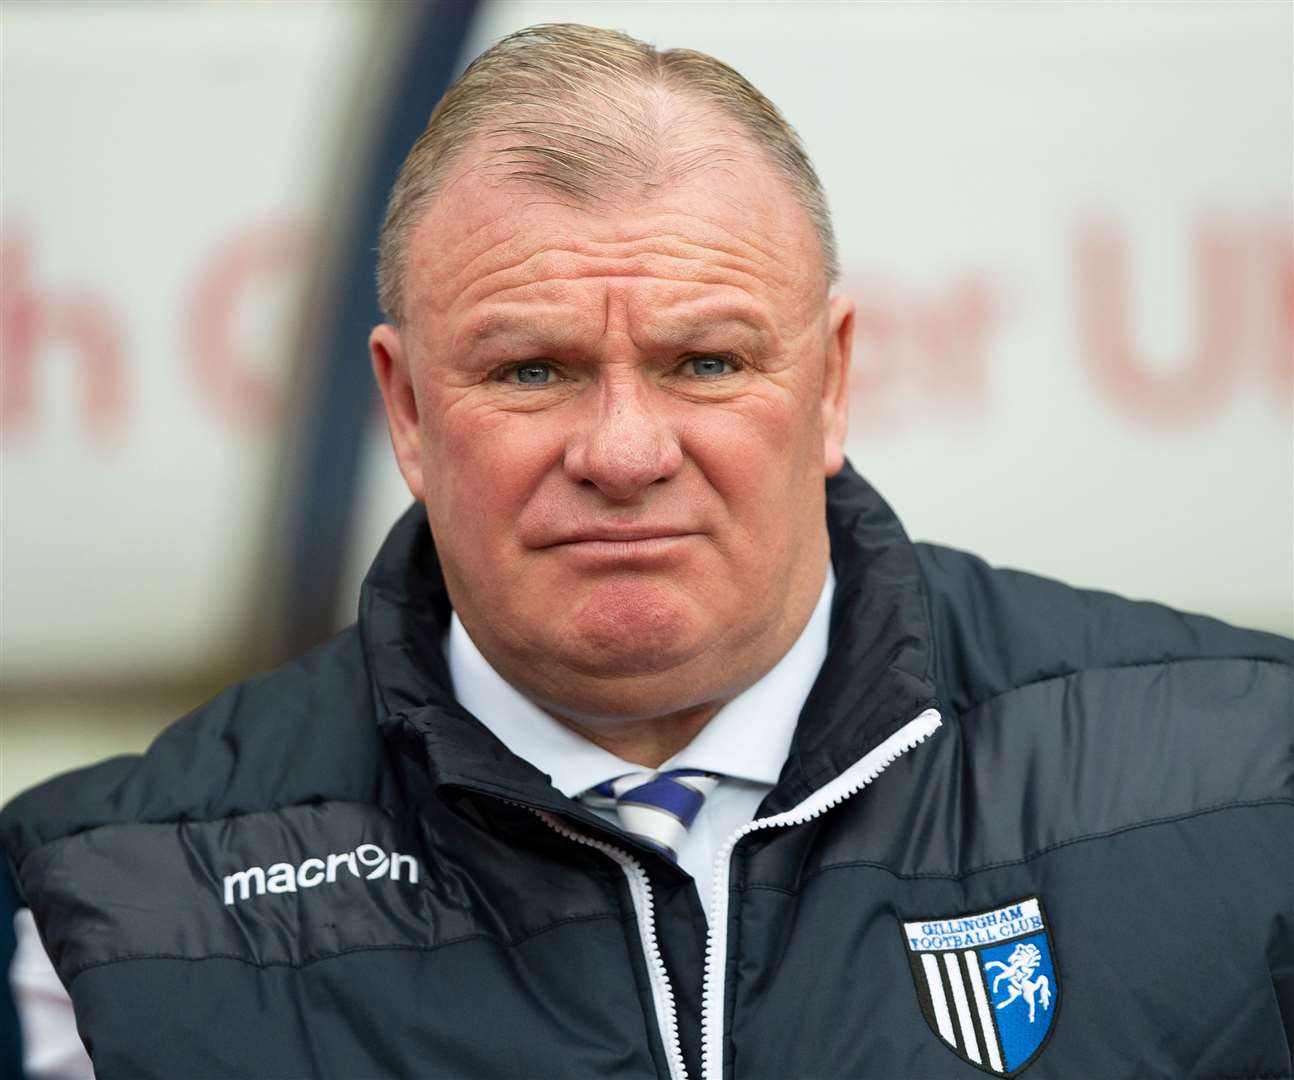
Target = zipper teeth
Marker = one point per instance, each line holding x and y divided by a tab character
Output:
645	909
849	783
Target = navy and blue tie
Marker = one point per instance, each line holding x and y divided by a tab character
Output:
656	807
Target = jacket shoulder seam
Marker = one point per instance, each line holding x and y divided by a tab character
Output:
1133	666
132	823
952	875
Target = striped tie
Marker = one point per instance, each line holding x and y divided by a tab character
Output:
656	807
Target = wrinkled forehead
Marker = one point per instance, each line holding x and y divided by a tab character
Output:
717	211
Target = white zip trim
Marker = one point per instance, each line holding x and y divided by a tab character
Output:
644	908
848	783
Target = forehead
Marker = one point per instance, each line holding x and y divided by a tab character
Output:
728	227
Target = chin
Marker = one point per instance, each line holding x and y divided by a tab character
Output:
631	628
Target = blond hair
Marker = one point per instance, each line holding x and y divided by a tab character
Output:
576	109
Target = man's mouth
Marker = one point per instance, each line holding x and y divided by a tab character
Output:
623	544
620	534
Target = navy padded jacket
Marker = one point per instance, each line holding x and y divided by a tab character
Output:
1022	828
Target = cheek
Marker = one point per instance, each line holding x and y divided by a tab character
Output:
765	463
762	446
482	467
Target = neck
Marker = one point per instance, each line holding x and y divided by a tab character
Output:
649	743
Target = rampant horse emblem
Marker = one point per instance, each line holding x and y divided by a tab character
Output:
986	983
1025	959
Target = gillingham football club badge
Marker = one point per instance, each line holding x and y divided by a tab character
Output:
987	983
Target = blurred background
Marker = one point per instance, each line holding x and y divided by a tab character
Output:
1067	227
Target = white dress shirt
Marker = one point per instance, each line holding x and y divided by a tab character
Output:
746	741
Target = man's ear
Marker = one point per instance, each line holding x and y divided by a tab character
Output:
391	366
835	382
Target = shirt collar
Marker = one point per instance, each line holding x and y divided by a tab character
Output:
748	738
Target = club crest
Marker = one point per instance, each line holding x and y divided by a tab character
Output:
987	983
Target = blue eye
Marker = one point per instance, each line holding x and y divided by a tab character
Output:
533	374
708	367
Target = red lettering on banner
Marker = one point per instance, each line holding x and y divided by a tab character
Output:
1202	382
226	368
917	353
33	319
1243	302
1280	251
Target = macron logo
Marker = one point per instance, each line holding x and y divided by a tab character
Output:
367	861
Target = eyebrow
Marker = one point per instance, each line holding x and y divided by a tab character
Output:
501	326
679	331
544	334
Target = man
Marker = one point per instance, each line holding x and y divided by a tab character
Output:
652	755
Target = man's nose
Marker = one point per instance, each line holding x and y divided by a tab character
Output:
620	444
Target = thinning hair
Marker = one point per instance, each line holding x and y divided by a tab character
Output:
580	110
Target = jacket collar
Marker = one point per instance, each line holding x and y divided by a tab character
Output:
879	672
880	668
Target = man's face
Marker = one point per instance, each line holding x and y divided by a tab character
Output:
619	417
